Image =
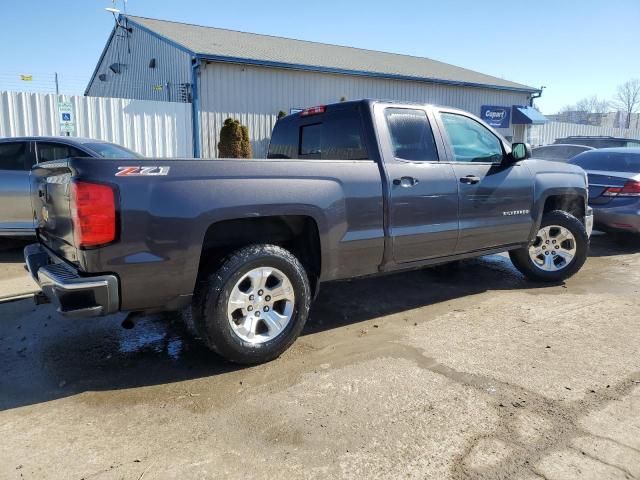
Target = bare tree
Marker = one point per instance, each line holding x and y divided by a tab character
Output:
593	105
588	110
627	98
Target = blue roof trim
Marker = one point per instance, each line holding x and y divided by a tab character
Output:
524	115
160	37
95	70
362	73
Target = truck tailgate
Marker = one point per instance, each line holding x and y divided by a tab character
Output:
50	199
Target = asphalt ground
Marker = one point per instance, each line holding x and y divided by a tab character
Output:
455	372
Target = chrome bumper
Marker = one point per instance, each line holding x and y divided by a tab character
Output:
588	221
75	296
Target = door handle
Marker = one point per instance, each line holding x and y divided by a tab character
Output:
405	181
470	180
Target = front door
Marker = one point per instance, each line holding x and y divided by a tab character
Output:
423	192
495	198
16	216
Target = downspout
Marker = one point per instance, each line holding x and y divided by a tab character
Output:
535	95
195	106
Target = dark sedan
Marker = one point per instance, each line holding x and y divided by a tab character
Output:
18	155
614	187
558	153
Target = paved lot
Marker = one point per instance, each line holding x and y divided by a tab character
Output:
464	373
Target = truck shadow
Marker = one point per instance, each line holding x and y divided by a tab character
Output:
606	244
45	357
11	251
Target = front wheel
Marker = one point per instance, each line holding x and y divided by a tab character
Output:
559	250
254	306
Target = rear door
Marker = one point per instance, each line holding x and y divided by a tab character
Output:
16	215
423	192
495	198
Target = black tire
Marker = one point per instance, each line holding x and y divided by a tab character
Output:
523	262
209	308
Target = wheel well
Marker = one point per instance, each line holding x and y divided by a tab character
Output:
573	204
296	233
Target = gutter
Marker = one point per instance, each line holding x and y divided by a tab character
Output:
361	73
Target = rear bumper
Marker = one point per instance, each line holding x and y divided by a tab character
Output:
619	218
74	295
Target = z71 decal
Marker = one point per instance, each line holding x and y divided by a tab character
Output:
142	171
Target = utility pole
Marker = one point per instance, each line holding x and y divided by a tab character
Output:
57	86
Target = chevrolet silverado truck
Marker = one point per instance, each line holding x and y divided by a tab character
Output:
347	190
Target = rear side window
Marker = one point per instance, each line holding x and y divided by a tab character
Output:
311	139
334	135
13	156
284	139
411	135
608	162
57	151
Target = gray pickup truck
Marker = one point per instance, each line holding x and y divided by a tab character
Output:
348	190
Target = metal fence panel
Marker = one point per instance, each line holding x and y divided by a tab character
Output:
549	132
154	129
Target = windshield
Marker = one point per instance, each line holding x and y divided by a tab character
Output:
111	150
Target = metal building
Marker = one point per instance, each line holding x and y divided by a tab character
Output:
252	77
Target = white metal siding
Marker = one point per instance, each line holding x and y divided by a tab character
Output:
137	80
254	95
549	132
154	129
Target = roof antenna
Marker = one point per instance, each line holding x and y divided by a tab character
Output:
116	14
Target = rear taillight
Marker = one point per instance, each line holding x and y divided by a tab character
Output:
630	189
93	209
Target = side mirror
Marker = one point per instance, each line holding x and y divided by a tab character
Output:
520	151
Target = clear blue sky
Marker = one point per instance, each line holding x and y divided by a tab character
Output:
574	48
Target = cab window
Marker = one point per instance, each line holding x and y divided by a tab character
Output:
471	141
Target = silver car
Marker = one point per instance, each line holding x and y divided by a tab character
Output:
18	155
614	187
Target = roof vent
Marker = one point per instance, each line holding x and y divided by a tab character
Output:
152	63
115	67
102	77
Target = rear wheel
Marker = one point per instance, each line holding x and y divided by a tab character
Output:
559	250
254	306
